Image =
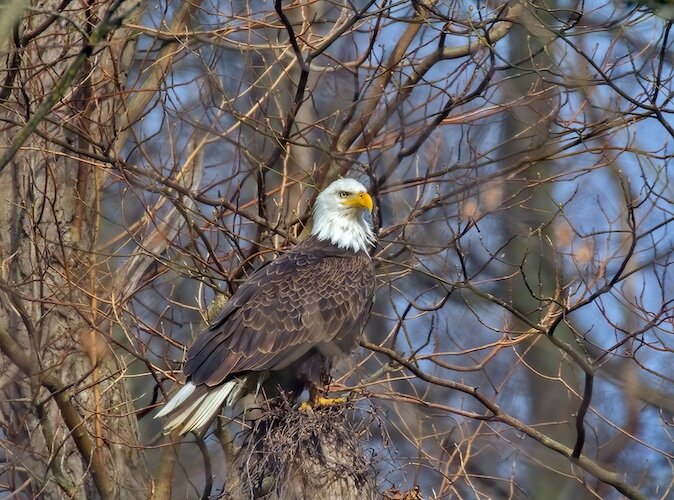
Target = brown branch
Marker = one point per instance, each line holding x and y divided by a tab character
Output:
499	415
196	196
106	26
71	417
374	125
130	275
377	92
145	92
163	479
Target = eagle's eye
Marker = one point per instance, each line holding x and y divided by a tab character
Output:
343	194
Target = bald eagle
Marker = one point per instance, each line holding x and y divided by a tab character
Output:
290	321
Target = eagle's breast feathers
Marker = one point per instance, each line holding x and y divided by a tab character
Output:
316	294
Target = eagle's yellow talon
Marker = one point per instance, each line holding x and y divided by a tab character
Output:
306	407
321	401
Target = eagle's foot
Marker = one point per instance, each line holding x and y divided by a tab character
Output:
306	407
322	401
318	402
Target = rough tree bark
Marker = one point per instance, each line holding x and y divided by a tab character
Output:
69	423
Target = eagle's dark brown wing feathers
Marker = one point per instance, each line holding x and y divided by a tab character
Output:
314	294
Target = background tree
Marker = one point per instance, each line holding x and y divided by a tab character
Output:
153	154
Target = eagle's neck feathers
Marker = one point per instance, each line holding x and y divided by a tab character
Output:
352	233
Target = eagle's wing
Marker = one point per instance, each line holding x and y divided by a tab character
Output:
316	294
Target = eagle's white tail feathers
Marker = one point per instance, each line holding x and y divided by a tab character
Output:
183	415
209	407
200	411
184	392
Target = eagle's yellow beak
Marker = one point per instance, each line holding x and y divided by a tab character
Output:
360	200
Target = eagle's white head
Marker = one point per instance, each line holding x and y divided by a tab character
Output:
340	215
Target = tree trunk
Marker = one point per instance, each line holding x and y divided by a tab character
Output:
66	415
527	135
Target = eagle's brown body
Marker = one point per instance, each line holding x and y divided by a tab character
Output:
294	315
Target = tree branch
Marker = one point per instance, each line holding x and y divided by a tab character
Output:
106	26
71	417
585	463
